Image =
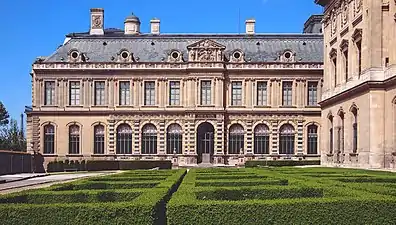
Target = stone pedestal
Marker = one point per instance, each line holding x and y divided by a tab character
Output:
205	158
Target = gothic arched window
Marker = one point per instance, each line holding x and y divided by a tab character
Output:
149	139
236	139
124	139
286	139
174	138
261	139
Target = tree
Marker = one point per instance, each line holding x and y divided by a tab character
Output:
12	138
3	115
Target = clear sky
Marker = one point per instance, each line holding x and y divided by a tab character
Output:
31	28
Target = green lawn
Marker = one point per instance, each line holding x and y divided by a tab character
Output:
229	196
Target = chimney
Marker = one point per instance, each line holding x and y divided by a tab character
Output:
132	25
155	26
97	19
250	26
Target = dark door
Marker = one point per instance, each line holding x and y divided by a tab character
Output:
205	142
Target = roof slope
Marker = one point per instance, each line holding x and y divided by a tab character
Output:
156	48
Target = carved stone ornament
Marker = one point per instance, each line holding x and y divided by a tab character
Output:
96	22
345	13
333	22
357	6
205	51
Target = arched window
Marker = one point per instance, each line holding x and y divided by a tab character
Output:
174	139
331	139
74	139
340	133
286	139
149	139
313	139
236	139
124	139
261	139
355	130
99	134
49	139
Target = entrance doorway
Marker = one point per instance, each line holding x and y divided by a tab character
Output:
205	142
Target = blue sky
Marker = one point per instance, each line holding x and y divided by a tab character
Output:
36	28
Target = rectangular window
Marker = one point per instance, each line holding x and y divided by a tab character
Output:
334	60
74	93
312	93
236	93
149	93
261	93
287	93
206	87
174	93
359	56
346	64
49	98
99	93
125	93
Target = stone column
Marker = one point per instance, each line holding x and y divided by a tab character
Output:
111	136
300	137
249	137
136	137
214	97
161	138
377	128
275	137
269	92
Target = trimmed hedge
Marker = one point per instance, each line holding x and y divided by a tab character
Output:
48	197
111	206
100	165
89	185
263	193
231	183
226	177
256	163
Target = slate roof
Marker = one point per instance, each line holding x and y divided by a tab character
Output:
155	48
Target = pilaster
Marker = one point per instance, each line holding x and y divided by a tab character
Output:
136	137
275	137
249	136
111	136
300	137
219	135
161	149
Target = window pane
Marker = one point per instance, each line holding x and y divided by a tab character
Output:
236	93
149	93
124	139
174	93
261	93
124	93
100	93
74	93
287	93
49	97
312	93
206	92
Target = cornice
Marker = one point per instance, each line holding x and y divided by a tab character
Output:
175	66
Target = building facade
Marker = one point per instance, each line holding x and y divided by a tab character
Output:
358	100
121	94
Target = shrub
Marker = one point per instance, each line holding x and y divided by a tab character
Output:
261	193
98	165
90	185
145	164
231	183
256	163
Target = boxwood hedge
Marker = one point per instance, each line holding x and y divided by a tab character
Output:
90	206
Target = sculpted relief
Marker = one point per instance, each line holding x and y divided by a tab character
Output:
205	51
96	21
357	6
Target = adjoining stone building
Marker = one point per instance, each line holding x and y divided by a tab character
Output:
358	102
121	94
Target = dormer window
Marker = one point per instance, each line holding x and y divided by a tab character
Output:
287	56
237	56
125	56
175	56
74	56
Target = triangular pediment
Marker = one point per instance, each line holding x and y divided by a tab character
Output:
206	43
